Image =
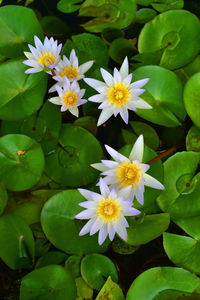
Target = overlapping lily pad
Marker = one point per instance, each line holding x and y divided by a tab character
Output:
3	197
20	94
172	31
62	229
69	164
18	25
21	160
164	94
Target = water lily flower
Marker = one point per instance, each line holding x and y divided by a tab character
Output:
70	68
128	174
69	96
106	213
117	94
43	57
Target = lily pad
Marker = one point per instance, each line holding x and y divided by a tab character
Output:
193	139
3	197
50	258
22	94
18	25
68	6
110	291
164	94
62	229
17	243
173	31
163	5
95	268
50	282
69	164
191	98
160	279
144	15
21	160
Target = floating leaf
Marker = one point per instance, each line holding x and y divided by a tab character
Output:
160	279
120	48
110	34
22	94
72	264
18	25
193	139
163	93
62	229
83	290
22	162
95	268
163	5
51	258
174	31
69	164
144	15
3	197
50	282
68	6
17	243
110	291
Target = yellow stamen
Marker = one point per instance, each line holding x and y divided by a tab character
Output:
70	98
46	59
20	152
108	210
118	94
69	72
129	173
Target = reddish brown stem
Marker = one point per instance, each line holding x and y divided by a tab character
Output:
165	153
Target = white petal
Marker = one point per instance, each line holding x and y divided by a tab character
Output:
85	214
124	115
110	179
111	230
97	197
152	182
121	230
86	227
104	105
107	77
138	92
74	111
113	194
131	211
55	100
85	67
63	108
139	194
38	43
86	194
98	223
117	76
102	234
128	79
97	98
110	172
99	86
125	192
116	155
99	167
105	115
87	204
110	164
138	149
104	188
141	104
145	167
124	68
140	83
32	70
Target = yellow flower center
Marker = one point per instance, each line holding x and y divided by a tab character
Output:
70	98
69	72
129	173
118	94
108	210
47	58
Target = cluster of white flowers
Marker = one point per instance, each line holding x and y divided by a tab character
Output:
125	178
117	94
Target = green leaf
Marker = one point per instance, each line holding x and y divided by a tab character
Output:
174	31
150	283
110	291
163	93
83	290
122	247
22	94
96	268
163	5
144	230
50	258
48	283
112	13
87	122
183	251
120	48
21	160
179	185
190	225
17	243
144	15
68	6
191	98
54	25
193	139
18	25
109	34
3	197
88	47
62	229
69	164
29	211
72	264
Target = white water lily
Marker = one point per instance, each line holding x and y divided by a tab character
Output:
117	94
44	56
106	212
128	174
69	97
71	69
